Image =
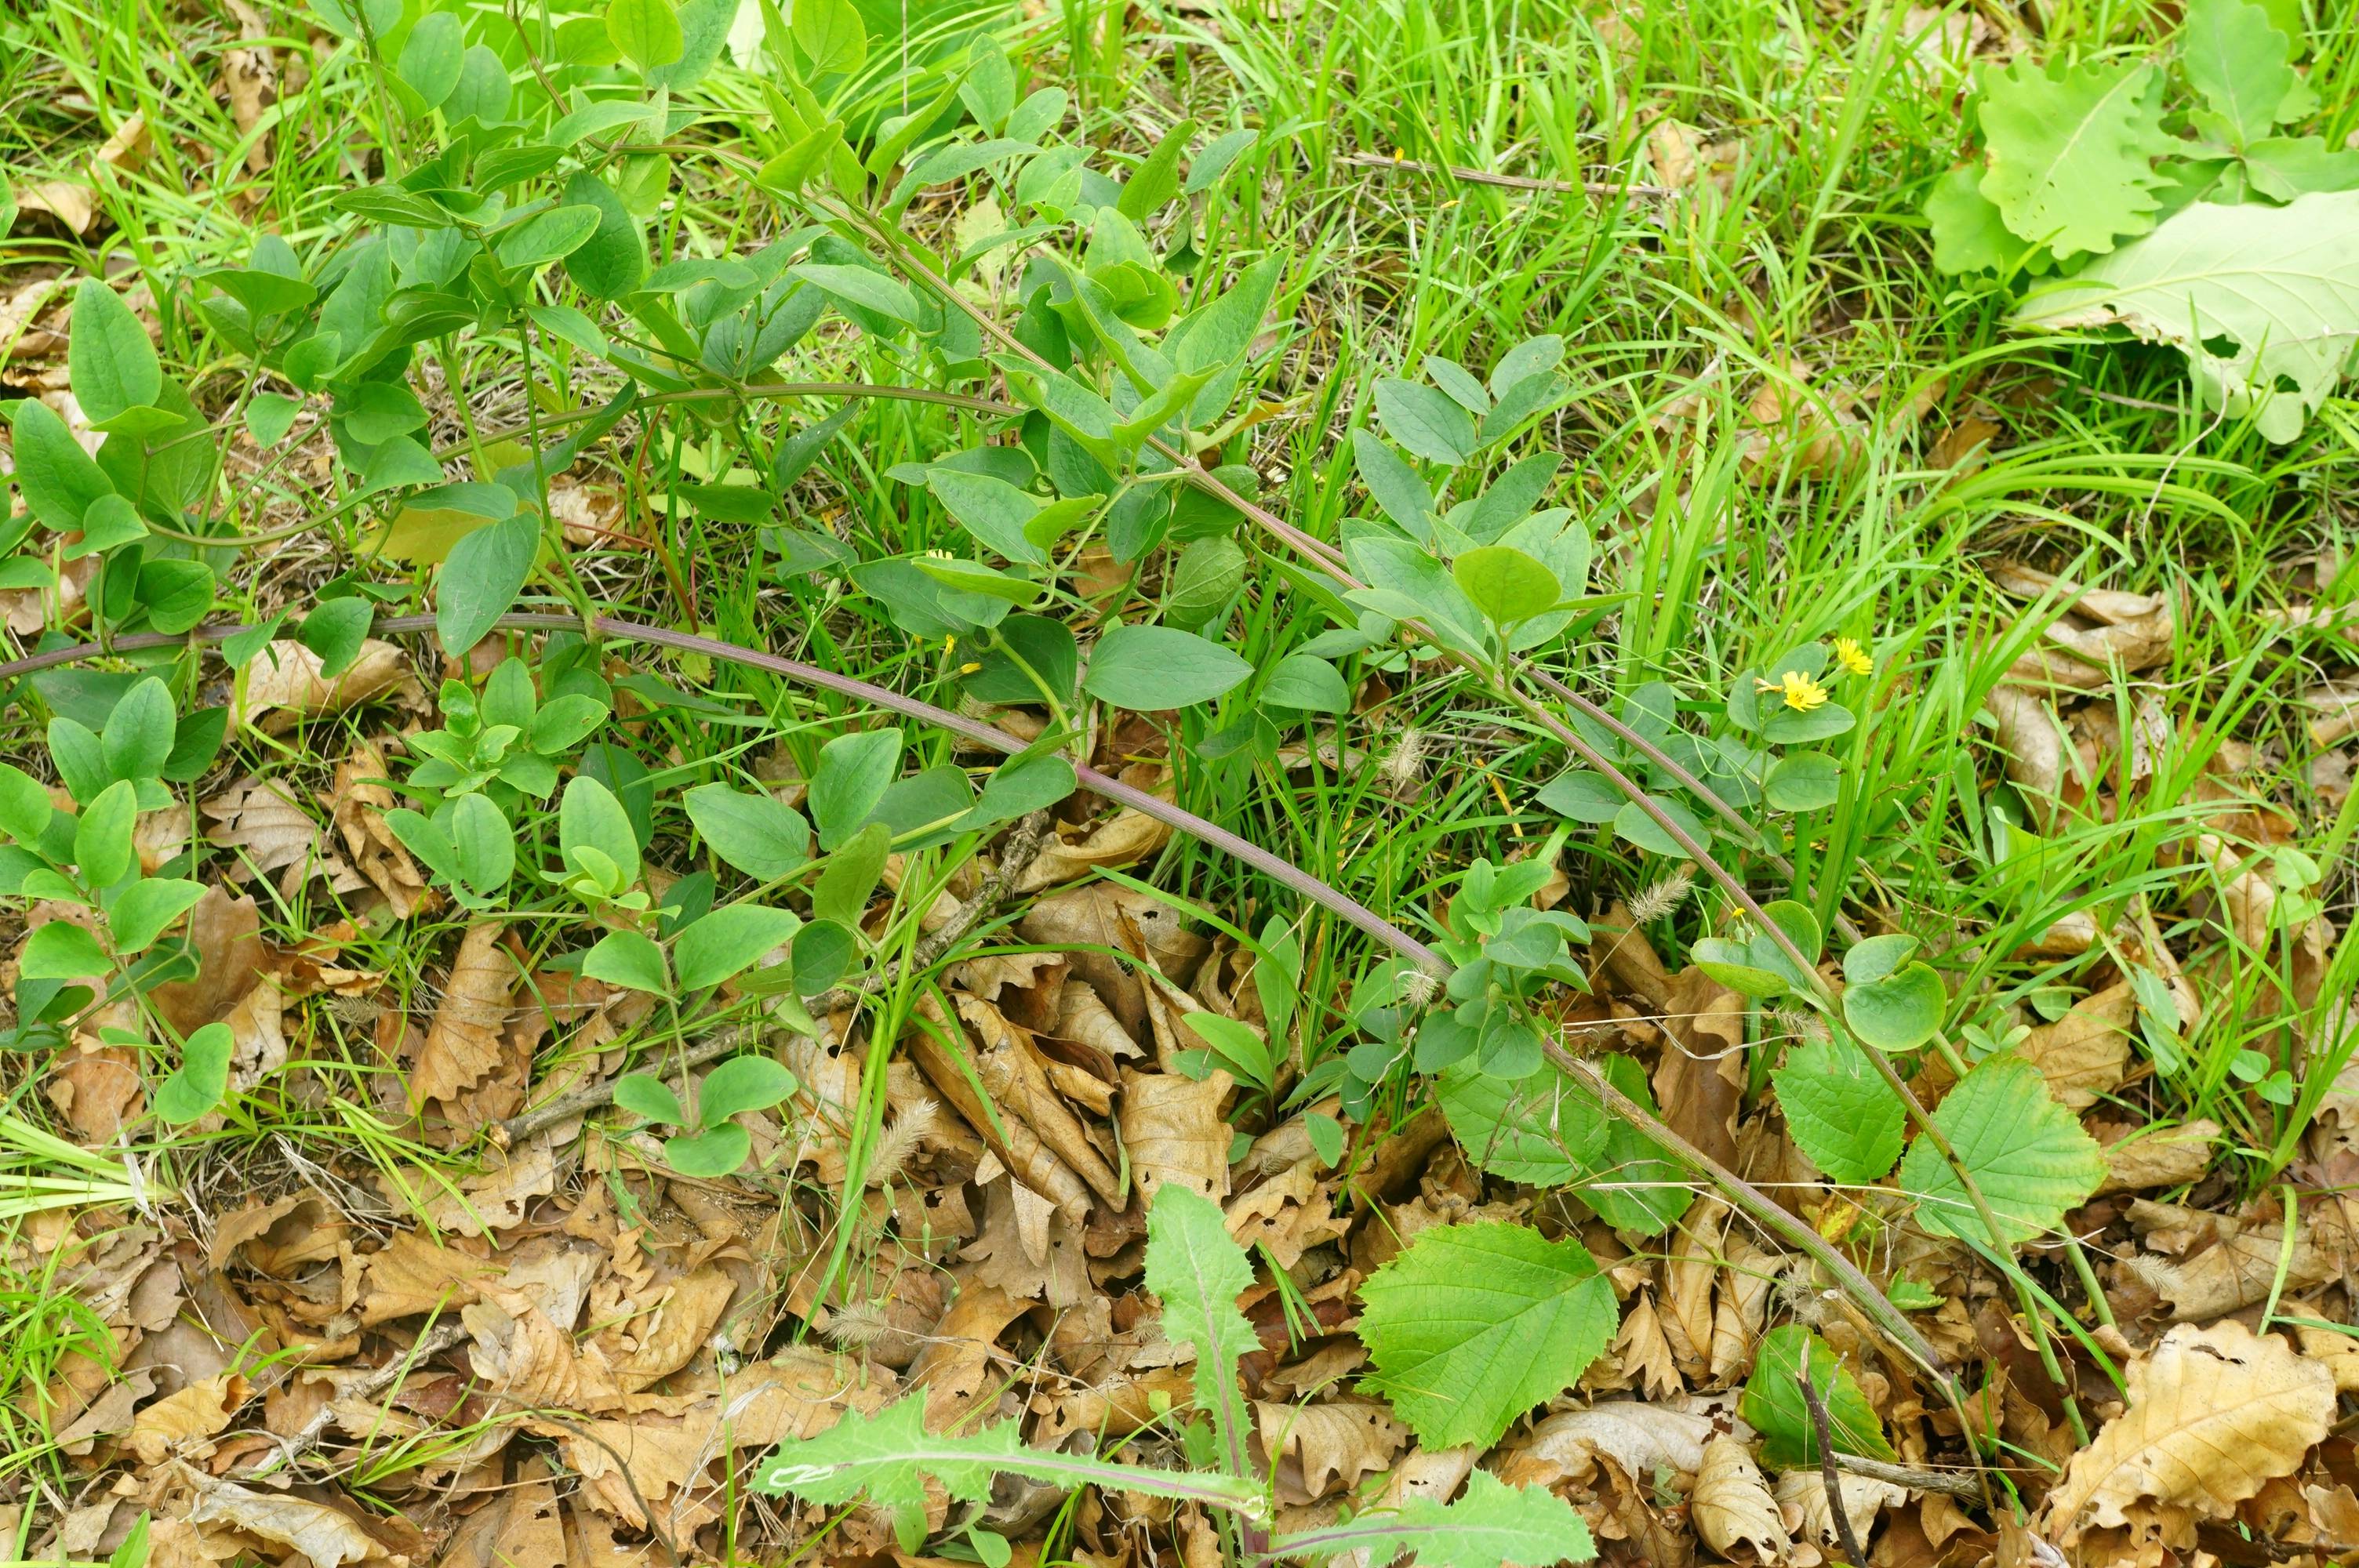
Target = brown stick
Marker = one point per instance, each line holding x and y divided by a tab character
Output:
1827	1475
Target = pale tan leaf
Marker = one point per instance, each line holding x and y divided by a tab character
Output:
285	684
2214	1414
182	1420
2082	1054
323	1536
1731	1504
1640	1436
463	1043
2159	1156
1802	1501
1173	1126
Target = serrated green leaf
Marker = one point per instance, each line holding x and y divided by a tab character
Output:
2027	1153
2071	152
887	1458
1471	1325
1493	1525
1774	1407
1840	1111
1197	1270
2280	283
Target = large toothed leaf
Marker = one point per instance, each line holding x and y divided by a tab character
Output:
1471	1325
1197	1272
1840	1110
2027	1153
1493	1524
2073	150
2279	285
887	1458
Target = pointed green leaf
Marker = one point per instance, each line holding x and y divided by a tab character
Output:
1197	1270
109	361
1773	1404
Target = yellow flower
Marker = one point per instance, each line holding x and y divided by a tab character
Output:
1801	693
1852	656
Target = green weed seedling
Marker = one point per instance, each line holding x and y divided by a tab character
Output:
710	1144
87	859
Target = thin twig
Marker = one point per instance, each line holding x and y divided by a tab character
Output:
1953	1483
1833	1482
1505	181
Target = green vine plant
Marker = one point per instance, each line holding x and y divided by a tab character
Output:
1100	406
2177	200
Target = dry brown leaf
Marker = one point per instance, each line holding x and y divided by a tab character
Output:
250	77
2084	1053
464	1044
2250	1261
517	1528
1289	1214
961	1367
1323	1448
2159	1156
1732	1507
323	1536
495	1198
1641	1437
357	803
2214	1414
284	684
226	933
1173	1126
677	1328
1128	837
1700	1080
2034	744
69	201
183	1420
414	1274
1802	1503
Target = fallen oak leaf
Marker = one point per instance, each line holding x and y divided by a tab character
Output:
1732	1505
2214	1414
187	1418
463	1043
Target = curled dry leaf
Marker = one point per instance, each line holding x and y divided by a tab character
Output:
2159	1156
181	1420
357	802
262	819
2214	1414
1127	838
1732	1505
322	1535
1641	1437
284	684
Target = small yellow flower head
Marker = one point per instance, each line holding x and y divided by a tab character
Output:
1852	656
1801	692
